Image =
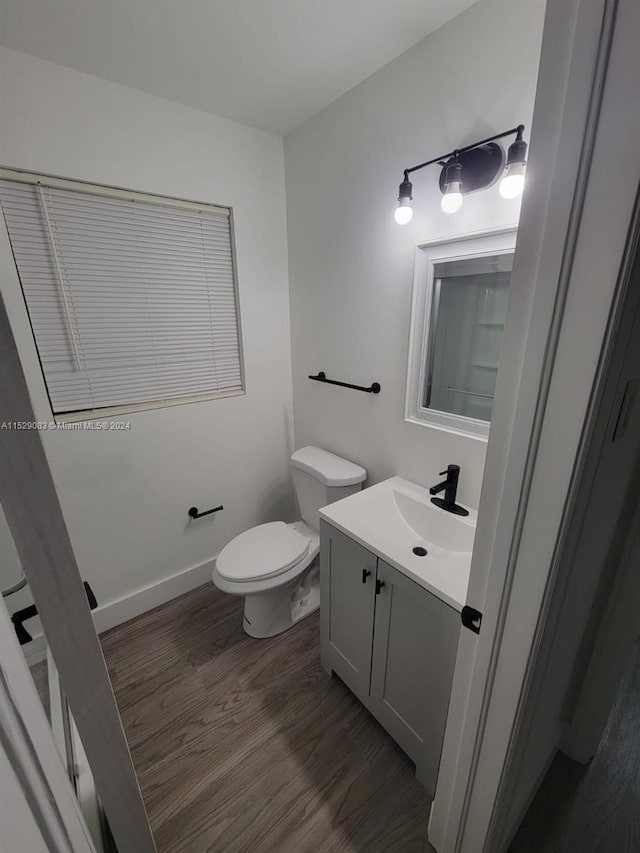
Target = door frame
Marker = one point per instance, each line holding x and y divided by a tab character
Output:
616	635
593	569
27	742
585	120
35	519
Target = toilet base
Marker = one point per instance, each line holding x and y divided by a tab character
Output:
267	614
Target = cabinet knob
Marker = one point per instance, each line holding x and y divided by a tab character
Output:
379	585
365	575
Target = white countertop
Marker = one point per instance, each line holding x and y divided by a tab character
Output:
393	517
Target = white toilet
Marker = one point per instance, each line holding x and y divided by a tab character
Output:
274	565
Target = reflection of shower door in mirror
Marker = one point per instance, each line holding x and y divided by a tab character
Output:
34	517
471	310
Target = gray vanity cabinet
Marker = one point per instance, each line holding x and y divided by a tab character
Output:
392	642
348	580
415	640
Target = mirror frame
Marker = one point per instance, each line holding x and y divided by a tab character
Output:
477	244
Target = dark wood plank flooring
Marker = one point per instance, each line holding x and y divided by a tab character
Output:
246	746
593	809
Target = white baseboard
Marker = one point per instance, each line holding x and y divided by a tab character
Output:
122	609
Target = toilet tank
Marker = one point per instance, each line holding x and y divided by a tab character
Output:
321	478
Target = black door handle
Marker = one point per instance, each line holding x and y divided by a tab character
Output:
379	585
365	575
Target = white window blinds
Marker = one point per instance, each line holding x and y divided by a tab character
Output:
130	301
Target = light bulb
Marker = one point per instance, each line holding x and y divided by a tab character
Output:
403	214
512	183
511	186
452	199
452	174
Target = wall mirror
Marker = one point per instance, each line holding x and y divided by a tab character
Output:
459	307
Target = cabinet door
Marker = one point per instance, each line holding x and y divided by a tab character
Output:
414	651
348	580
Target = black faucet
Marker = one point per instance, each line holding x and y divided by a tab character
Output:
450	487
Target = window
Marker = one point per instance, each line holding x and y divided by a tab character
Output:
459	310
132	298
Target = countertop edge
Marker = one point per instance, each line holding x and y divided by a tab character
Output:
435	591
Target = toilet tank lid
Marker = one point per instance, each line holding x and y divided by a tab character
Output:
330	469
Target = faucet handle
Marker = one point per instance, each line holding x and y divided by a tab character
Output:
450	470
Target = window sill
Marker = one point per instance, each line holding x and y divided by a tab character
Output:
113	411
456	424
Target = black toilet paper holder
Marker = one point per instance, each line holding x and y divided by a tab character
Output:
193	511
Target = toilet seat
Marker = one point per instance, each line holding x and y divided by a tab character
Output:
262	552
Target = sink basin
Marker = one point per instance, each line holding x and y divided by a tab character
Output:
441	528
395	517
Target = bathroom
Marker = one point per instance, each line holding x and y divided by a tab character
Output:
325	281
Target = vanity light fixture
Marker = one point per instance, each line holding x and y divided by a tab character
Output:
466	170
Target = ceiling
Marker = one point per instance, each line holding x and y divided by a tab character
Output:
270	64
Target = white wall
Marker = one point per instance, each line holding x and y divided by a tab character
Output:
350	265
125	495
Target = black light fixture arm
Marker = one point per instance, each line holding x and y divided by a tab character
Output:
519	130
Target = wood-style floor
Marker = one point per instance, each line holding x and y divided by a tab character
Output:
246	746
593	809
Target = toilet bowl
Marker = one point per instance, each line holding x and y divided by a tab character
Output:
275	565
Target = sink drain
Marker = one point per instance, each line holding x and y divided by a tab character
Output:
419	551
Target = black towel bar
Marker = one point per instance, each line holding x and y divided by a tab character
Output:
374	388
